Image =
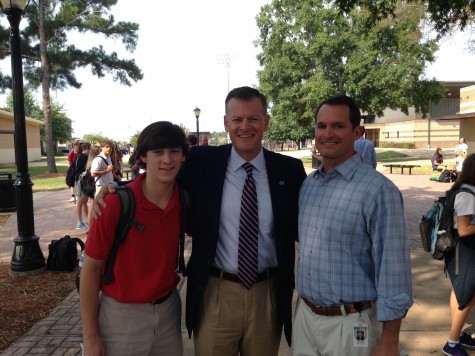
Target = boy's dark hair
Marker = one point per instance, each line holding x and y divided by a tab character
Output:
84	146
192	140
161	134
355	114
245	93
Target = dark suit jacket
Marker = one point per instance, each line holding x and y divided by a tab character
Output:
203	174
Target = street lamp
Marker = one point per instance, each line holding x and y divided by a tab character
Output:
197	113
27	255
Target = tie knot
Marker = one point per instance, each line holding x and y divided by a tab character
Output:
248	167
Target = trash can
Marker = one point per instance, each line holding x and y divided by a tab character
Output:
7	193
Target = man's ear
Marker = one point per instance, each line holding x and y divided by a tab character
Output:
225	121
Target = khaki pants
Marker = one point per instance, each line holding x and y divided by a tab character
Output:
234	319
141	329
315	335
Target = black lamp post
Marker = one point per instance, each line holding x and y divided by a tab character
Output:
27	255
197	112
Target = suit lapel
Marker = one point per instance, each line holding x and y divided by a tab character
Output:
216	183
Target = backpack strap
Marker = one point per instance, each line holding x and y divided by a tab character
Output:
127	212
465	190
79	241
107	164
105	161
184	209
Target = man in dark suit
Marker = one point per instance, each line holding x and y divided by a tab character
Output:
225	315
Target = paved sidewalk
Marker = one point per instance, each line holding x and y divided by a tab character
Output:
424	330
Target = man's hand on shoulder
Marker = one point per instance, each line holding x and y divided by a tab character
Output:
99	199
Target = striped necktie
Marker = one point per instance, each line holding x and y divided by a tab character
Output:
248	231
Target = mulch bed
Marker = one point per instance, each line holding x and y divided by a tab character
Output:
27	299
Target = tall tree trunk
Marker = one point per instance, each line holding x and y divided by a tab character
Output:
50	149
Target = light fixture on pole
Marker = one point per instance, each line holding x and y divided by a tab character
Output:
197	113
27	255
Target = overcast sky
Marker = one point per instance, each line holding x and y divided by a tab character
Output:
181	51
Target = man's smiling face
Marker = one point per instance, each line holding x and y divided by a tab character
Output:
334	135
246	121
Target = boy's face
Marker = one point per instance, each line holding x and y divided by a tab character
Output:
106	149
163	164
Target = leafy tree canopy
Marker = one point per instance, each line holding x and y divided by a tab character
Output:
46	30
95	138
134	138
445	14
310	51
219	138
67	17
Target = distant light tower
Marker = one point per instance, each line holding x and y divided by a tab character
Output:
197	113
226	60
27	255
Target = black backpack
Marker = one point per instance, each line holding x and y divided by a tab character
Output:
87	183
63	254
447	176
70	179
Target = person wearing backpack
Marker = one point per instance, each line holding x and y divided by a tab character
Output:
81	198
102	167
140	309
462	297
72	155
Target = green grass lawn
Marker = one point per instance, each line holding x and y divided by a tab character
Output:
395	157
42	180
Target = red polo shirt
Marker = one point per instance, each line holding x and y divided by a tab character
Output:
72	156
146	261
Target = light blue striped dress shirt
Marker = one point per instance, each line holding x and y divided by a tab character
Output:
353	240
228	241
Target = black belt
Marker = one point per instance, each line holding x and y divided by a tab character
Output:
234	277
343	309
162	299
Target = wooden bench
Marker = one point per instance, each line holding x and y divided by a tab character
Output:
402	166
127	172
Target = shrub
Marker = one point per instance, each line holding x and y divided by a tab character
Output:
396	144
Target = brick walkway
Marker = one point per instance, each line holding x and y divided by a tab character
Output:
424	330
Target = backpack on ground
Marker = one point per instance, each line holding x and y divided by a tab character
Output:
63	254
126	222
436	227
448	176
70	178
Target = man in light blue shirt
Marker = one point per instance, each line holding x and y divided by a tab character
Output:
366	150
354	273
